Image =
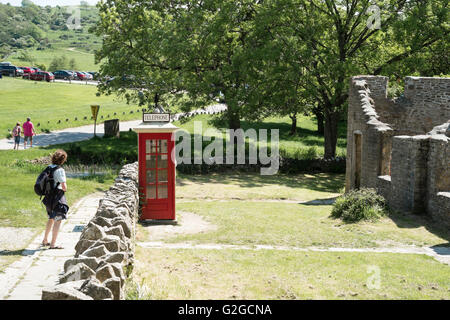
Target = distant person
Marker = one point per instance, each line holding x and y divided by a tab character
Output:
55	202
16	134
28	133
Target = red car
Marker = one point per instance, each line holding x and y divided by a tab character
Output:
80	76
42	75
27	70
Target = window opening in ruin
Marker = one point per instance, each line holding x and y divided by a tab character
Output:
357	162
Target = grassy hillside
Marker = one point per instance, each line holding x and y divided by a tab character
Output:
35	36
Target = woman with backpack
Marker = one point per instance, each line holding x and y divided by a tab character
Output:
16	134
55	202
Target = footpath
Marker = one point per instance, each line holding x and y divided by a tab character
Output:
87	132
41	267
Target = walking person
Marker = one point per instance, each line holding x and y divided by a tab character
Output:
28	133
16	134
56	203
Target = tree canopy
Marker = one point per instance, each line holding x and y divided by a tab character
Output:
267	56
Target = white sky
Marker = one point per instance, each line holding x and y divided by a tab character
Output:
49	2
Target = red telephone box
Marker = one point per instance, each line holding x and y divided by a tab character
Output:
156	169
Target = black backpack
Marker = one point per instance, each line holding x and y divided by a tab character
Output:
45	184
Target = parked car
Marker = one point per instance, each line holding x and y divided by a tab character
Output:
42	75
27	70
94	74
36	69
63	74
80	75
5	63
74	74
11	71
88	76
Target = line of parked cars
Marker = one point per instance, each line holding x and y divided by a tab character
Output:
7	69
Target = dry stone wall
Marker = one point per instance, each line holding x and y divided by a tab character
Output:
401	146
105	252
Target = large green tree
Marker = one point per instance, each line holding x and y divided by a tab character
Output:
335	40
265	56
172	47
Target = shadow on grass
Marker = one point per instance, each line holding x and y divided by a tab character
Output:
413	221
324	182
320	202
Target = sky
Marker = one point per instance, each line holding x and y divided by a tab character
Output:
49	2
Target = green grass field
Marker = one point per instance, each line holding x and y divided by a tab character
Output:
268	274
19	205
245	211
237	204
47	103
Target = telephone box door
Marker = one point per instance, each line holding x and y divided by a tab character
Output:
157	176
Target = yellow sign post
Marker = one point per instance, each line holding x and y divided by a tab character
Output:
95	109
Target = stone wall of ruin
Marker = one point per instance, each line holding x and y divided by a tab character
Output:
400	157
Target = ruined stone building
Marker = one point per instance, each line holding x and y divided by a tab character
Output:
401	146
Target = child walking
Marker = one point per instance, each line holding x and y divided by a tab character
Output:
16	134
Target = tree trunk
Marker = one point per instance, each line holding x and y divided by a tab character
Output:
320	123
234	120
331	129
318	112
293	125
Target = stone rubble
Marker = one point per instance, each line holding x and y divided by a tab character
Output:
105	251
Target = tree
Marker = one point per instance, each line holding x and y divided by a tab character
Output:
72	64
59	63
263	57
334	41
200	48
26	56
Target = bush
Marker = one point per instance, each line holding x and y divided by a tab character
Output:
357	205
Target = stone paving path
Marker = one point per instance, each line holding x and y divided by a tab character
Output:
85	132
41	267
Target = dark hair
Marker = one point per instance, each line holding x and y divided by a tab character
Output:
28	119
59	157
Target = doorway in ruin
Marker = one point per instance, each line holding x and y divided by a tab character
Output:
357	162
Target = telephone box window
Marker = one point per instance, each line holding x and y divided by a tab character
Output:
162	191
162	161
162	176
151	176
151	192
151	161
151	146
163	146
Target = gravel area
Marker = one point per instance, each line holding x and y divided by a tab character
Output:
15	238
188	223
